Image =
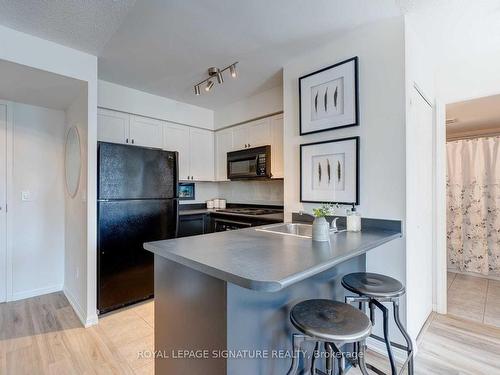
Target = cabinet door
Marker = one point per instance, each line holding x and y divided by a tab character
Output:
253	134
201	154
240	137
259	133
277	146
176	138
112	126
223	145
145	132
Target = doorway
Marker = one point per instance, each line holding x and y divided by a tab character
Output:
473	209
3	202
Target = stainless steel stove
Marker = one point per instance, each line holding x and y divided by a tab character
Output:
251	211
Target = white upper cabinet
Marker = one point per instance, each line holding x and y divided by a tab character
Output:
276	125
119	127
252	134
195	148
145	132
112	126
266	131
201	154
176	138
223	145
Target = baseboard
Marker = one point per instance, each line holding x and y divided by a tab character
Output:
87	321
36	292
379	347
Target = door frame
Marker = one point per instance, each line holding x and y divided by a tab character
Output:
440	236
8	202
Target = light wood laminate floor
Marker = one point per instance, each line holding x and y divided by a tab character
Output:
42	335
474	298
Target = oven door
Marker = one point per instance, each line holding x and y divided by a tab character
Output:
222	225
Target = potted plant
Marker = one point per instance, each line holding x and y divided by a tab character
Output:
320	227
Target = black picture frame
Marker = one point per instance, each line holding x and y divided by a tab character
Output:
189	187
357	164
356	96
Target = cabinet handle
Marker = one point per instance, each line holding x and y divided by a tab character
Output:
132	141
126	140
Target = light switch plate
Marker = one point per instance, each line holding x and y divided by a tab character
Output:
26	195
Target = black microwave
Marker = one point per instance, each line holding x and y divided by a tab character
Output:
250	163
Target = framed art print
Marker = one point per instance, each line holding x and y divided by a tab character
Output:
329	171
329	98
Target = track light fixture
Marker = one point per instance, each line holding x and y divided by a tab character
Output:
214	72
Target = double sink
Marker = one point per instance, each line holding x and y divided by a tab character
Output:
292	229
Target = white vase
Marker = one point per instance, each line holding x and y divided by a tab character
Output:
320	229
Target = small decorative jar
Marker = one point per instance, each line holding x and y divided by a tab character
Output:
320	229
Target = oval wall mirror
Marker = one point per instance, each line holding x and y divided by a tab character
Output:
73	162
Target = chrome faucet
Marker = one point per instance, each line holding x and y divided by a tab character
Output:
333	224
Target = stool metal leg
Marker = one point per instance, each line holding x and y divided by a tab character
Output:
405	334
385	313
361	357
296	341
315	354
330	370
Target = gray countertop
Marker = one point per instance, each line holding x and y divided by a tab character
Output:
267	261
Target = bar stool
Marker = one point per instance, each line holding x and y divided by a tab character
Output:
333	323
375	289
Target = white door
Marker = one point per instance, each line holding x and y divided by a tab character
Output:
277	146
3	201
113	126
176	138
419	212
201	154
145	132
223	145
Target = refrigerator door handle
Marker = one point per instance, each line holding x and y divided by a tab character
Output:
176	217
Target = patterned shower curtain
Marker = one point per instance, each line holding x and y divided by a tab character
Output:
473	183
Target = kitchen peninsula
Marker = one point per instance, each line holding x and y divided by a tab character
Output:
233	291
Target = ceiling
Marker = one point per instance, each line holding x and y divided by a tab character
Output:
474	116
37	87
164	47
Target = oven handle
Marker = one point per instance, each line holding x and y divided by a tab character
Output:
232	222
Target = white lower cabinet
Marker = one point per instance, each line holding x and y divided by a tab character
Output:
196	151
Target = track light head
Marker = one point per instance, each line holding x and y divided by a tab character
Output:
232	70
220	79
197	90
209	86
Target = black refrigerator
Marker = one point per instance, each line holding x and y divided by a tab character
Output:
137	202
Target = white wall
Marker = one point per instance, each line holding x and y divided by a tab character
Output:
75	262
264	103
121	98
37	225
38	53
380	48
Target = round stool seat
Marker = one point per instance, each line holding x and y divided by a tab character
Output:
330	321
373	285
